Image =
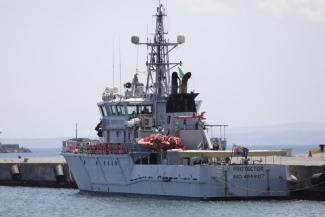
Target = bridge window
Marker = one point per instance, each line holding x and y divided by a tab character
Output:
110	110
146	109
139	109
103	110
123	109
132	110
118	110
113	109
106	110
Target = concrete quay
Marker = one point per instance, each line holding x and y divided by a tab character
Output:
310	174
39	172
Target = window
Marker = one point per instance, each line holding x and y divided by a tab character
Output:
103	110
123	109
149	109
118	110
145	109
132	110
113	110
139	109
108	110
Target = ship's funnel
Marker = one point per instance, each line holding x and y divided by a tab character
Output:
174	83
184	82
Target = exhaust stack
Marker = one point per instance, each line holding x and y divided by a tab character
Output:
184	82
175	83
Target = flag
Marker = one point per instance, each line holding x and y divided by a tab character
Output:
241	151
180	72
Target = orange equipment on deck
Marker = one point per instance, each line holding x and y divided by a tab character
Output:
159	142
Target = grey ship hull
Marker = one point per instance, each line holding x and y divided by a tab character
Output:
117	174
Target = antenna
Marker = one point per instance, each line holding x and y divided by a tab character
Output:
120	65
167	18
113	60
76	130
137	64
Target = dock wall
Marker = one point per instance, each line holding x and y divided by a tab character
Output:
36	174
305	188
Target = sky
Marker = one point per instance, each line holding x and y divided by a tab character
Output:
254	62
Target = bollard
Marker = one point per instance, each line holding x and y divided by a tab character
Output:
15	173
318	179
59	173
293	180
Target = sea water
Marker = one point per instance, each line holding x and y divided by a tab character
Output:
43	202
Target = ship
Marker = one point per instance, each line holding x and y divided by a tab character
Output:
153	140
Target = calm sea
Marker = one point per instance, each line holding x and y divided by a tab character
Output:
43	202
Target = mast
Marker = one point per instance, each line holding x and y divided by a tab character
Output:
76	130
158	65
159	40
